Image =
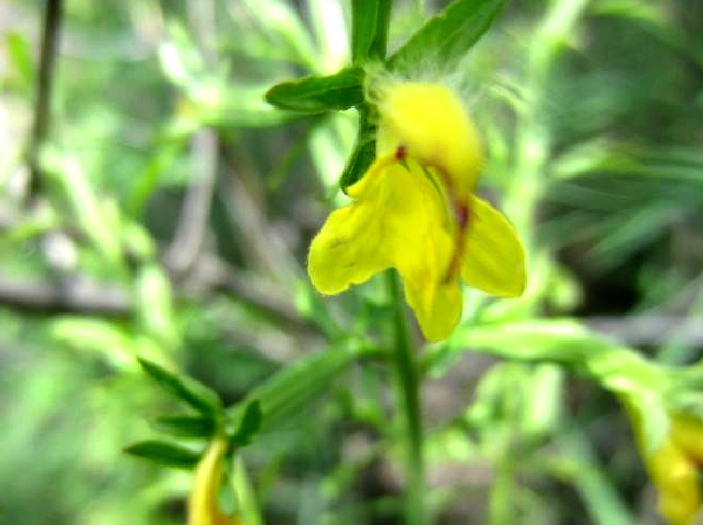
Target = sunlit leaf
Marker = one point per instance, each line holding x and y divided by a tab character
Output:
20	55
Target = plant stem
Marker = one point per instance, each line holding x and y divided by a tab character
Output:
42	114
409	393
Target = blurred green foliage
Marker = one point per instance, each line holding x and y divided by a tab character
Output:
172	220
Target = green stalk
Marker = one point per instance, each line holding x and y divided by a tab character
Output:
408	380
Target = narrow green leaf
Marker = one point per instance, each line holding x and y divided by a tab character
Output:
186	426
187	389
165	454
249	424
369	29
445	38
364	151
315	94
294	387
593	484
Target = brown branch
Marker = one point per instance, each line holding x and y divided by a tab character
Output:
42	114
72	296
193	222
195	213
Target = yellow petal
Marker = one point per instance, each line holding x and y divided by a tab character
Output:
437	305
352	244
494	259
203	508
434	125
398	218
422	250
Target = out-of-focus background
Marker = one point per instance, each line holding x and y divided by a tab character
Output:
167	209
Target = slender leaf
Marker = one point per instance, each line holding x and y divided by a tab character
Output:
186	426
316	94
192	392
369	29
165	454
445	38
288	391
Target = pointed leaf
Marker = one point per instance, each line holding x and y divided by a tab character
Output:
165	454
318	94
187	389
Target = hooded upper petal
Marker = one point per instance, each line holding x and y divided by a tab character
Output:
493	259
433	124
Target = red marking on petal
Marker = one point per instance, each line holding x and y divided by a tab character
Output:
401	152
462	215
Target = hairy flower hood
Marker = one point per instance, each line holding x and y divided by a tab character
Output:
414	210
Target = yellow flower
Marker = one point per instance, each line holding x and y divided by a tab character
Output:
674	467
414	210
203	508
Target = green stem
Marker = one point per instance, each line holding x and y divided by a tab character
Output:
408	379
246	497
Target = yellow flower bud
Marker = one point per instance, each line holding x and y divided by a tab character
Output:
203	508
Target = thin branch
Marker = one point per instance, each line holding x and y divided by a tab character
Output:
194	218
45	82
72	296
193	221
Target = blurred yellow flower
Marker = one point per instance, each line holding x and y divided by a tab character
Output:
674	469
414	210
203	508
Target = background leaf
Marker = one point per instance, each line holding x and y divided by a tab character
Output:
445	38
369	29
